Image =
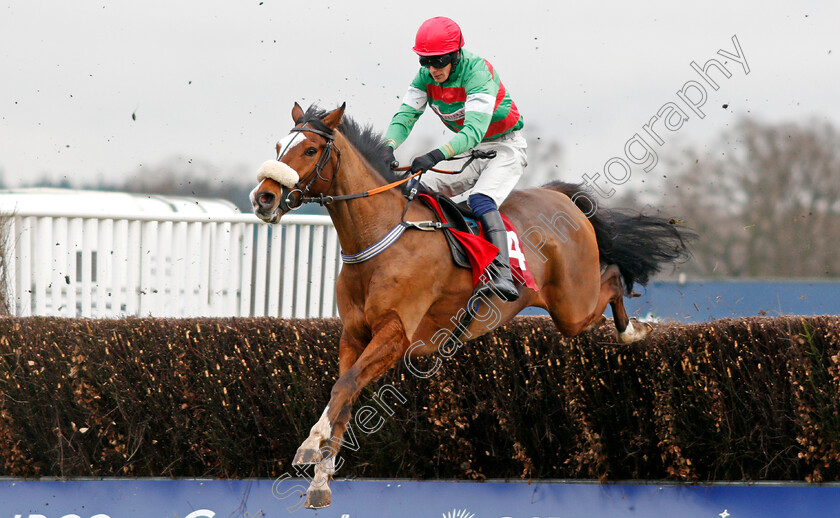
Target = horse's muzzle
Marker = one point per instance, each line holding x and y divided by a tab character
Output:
265	206
270	207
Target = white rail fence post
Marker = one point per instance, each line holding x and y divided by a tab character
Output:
75	264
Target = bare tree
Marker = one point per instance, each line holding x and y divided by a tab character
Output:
6	239
765	201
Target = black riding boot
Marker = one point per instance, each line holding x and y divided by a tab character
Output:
499	270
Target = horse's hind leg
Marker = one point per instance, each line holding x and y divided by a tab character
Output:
629	329
577	305
611	292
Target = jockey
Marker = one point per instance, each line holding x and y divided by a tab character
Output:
467	94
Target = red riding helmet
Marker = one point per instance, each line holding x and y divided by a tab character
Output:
438	36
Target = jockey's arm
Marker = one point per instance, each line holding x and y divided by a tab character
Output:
475	127
412	107
481	93
480	102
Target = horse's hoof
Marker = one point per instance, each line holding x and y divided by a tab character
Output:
318	498
635	331
306	456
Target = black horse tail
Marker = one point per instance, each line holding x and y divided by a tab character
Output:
639	245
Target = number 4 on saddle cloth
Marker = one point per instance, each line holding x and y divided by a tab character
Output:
469	249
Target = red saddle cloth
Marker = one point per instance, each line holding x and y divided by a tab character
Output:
481	252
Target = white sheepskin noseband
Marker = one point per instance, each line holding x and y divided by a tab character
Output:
279	172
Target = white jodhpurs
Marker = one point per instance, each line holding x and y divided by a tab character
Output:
495	177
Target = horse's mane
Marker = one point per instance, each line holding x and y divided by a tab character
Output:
365	139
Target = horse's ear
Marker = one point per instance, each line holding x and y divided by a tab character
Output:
297	113
333	119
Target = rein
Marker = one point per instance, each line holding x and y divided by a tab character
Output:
322	199
395	233
303	185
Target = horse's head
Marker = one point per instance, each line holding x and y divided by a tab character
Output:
305	166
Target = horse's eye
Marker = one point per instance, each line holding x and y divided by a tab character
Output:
310	151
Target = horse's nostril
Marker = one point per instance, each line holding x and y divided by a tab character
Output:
265	199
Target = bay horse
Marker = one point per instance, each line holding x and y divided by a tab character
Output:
395	303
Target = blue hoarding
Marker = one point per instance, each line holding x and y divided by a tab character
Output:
703	301
395	498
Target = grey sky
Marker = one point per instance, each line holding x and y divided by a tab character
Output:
215	81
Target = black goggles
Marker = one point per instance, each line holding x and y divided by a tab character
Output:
437	61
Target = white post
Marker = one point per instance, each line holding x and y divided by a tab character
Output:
206	249
234	274
75	240
59	268
134	254
104	260
275	270
23	257
11	233
302	274
193	260
43	263
289	271
164	300
260	272
220	270
246	257
316	286
330	268
147	296
179	269
89	240
119	277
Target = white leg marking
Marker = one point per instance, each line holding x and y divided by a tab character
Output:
319	495
322	428
321	479
635	331
327	465
319	433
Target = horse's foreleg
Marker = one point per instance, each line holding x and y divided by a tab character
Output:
349	350
388	345
310	452
383	352
318	493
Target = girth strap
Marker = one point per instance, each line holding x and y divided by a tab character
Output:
377	248
391	238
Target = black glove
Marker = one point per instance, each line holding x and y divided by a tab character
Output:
427	161
389	158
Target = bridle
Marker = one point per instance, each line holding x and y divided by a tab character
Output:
303	185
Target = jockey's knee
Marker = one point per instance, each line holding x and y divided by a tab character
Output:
481	204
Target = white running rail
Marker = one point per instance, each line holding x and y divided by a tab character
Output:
72	264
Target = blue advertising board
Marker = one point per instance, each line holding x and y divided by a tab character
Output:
704	301
144	498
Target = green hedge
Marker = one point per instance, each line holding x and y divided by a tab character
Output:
751	399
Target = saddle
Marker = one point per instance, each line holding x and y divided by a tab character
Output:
469	250
466	244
